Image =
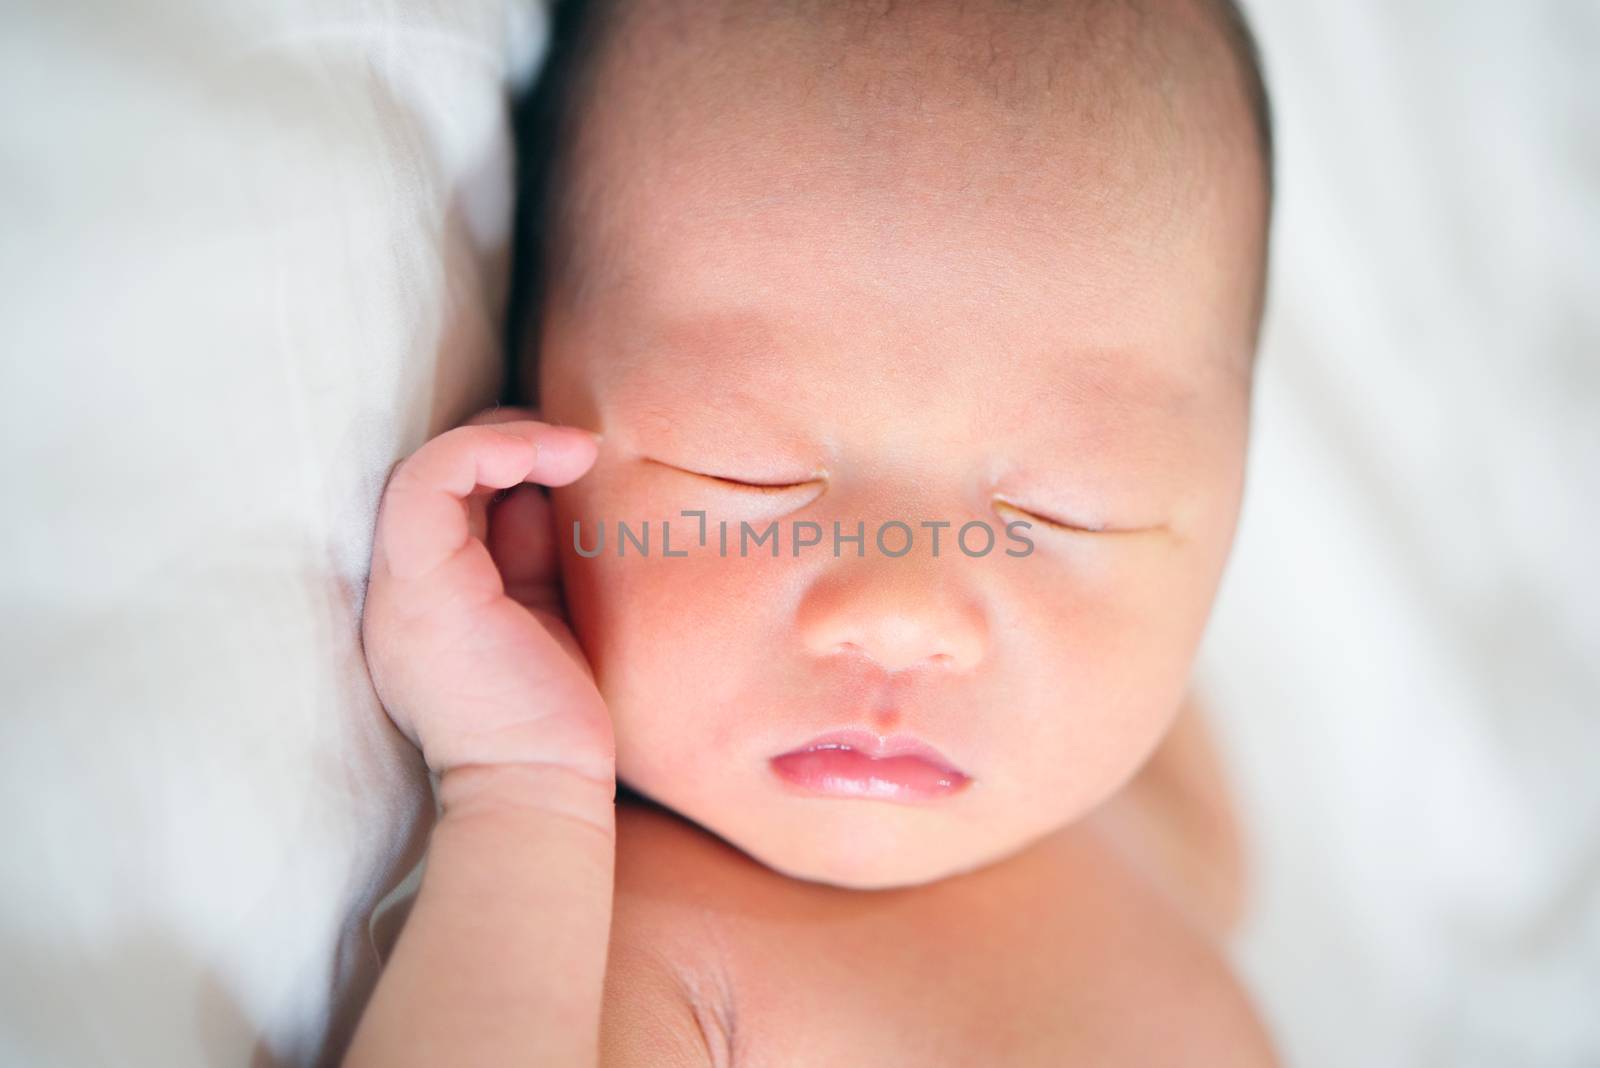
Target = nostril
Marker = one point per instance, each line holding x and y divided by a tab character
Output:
888	659
895	636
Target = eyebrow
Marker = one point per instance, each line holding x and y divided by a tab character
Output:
735	333
1129	380
748	340
744	341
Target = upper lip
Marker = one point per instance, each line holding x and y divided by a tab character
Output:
878	746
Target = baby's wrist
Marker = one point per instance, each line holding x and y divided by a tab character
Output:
514	790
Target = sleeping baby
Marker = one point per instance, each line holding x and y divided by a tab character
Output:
889	395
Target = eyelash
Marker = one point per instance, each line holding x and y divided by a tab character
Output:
761	487
1060	524
769	488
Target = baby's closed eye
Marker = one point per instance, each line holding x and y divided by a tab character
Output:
754	483
1084	524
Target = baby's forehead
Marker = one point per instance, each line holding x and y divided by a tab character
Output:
909	178
1029	72
1100	116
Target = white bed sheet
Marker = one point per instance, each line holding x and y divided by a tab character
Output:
250	253
1406	654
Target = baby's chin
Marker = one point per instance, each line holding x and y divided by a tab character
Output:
864	844
909	867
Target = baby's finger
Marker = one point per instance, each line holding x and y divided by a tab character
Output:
424	519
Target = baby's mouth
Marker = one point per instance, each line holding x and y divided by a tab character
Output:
861	764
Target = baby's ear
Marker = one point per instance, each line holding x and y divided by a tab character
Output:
502	413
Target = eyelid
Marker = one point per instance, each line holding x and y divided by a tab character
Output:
739	483
1005	503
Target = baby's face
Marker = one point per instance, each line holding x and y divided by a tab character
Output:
923	318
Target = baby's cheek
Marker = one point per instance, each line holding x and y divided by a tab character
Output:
1102	651
671	636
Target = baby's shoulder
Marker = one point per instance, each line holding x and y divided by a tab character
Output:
1059	956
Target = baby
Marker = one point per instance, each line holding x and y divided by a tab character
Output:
893	367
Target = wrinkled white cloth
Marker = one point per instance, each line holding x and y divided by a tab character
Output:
1406	653
252	252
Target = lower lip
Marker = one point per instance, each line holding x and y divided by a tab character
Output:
841	771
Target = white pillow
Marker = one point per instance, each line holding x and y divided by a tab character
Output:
253	253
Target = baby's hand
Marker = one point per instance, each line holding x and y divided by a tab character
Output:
463	627
502	959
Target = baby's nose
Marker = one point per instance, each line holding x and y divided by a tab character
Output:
901	619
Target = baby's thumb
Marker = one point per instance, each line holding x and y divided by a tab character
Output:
522	541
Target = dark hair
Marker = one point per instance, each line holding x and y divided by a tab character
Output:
542	133
539	127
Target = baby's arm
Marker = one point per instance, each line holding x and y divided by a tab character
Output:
502	959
